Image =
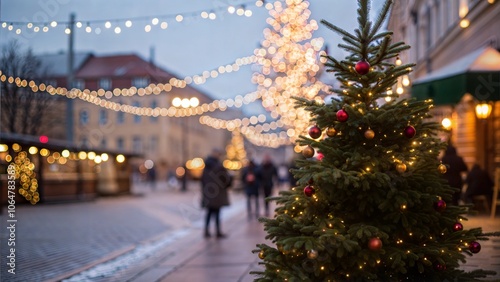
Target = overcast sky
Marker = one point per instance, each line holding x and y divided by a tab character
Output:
186	48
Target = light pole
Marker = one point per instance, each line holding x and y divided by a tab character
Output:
483	111
185	103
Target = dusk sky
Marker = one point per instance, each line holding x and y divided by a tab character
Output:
185	49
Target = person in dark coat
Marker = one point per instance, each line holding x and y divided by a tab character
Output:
478	183
250	177
455	166
268	175
215	182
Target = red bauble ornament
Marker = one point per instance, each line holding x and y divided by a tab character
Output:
342	116
309	191
440	205
362	67
375	244
410	131
458	226
439	267
314	132
474	247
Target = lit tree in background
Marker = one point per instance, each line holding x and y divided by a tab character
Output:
235	152
374	208
289	62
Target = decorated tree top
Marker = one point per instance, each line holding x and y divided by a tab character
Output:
374	208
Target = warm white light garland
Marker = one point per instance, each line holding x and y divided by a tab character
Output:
122	24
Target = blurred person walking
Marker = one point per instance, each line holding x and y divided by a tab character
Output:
250	177
478	183
215	181
455	166
268	175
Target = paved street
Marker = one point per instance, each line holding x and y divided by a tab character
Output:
53	241
153	237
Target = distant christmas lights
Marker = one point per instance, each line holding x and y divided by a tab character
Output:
119	25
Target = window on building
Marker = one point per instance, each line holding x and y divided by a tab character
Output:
137	144
52	82
105	83
84	117
79	84
153	145
140	82
120	143
84	142
137	118
154	104
428	31
120	117
104	143
103	117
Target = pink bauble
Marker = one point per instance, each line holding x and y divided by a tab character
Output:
309	191
320	156
362	67
342	116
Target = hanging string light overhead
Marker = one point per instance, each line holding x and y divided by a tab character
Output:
118	25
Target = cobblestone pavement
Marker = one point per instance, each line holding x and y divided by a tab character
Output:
154	237
54	241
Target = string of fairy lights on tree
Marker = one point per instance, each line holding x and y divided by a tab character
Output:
121	24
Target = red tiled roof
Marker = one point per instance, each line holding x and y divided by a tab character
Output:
121	66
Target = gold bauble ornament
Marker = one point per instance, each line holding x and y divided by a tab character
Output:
369	134
330	132
261	254
308	152
401	167
442	168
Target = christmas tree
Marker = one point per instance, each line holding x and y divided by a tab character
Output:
374	207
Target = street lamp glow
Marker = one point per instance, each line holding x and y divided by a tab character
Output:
464	23
446	123
185	103
120	158
483	110
91	155
104	157
176	102
82	155
65	153
194	102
